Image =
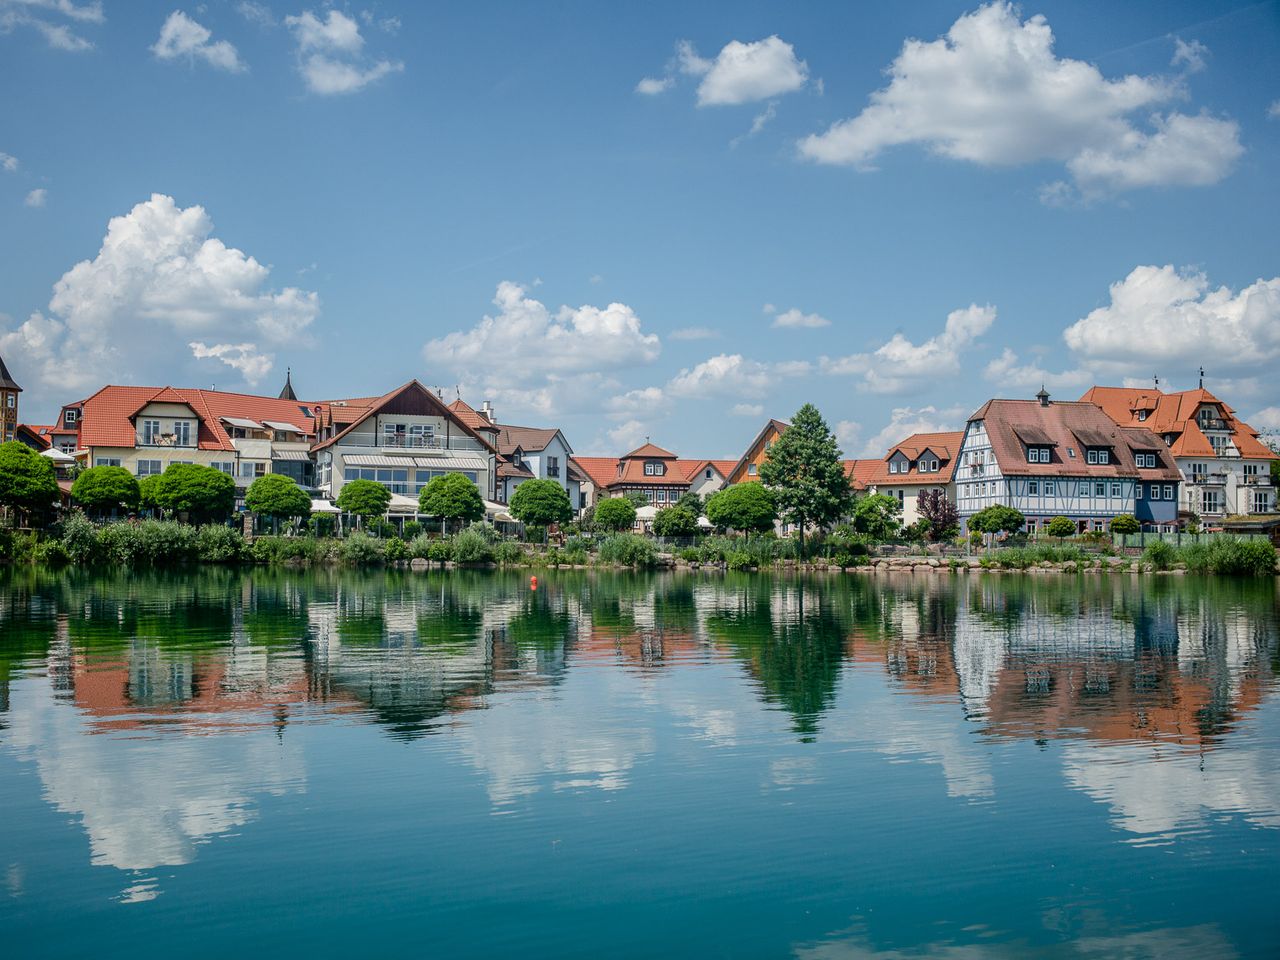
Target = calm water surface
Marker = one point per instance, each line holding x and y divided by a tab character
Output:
305	765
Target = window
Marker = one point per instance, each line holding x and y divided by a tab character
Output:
11	400
1071	452
1116	490
1049	489
67	446
106	462
226	466
70	417
648	495
648	469
751	470
1099	489
148	468
182	433
1142	415
900	493
1261	502
150	432
1092	456
1104	456
1033	487
662	496
1137	492
553	466
708	474
1168	492
893	466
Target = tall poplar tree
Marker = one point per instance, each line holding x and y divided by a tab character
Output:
804	471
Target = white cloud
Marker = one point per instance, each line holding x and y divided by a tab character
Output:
627	436
1190	56
747	72
532	359
1273	111
760	121
37	197
747	409
654	85
794	318
60	36
993	92
1005	370
633	403
256	13
1266	421
847	434
768	308
900	364
722	375
159	282
693	333
331	54
8	162
180	36
1160	313
904	421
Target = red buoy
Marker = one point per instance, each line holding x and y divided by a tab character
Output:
533	583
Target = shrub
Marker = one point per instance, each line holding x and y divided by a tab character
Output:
744	506
615	513
470	546
51	553
739	560
106	489
420	547
627	549
410	530
441	551
1160	555
508	553
675	522
80	538
360	549
218	544
1125	524
200	492
380	527
395	550
998	518
148	542
1242	558
691	554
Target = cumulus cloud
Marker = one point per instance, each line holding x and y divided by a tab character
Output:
331	55
160	283
1190	56
900	364
1163	314
794	318
722	375
1006	371
904	421
1267	422
747	409
57	33
8	162
993	92
256	13
740	73
37	197
180	36
534	359
1273	111
847	434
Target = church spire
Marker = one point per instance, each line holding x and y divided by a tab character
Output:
287	393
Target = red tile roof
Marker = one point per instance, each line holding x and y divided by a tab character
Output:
1062	421
649	451
946	446
860	472
366	407
1174	414
470	416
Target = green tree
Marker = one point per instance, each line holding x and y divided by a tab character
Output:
804	470
692	502
202	493
365	498
636	498
27	480
451	496
1125	524
149	491
615	513
104	489
997	518
1060	527
540	503
676	521
941	514
748	507
878	516
279	497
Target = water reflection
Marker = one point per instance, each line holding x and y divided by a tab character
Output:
162	712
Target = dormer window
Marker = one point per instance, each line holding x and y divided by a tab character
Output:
654	469
70	417
1142	415
1037	454
1100	457
893	466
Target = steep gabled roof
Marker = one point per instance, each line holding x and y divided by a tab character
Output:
286	392
778	426
375	405
945	446
1173	415
6	381
649	451
528	439
472	417
860	472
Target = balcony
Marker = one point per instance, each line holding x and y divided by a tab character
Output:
1213	423
162	440
404	441
1257	480
1208	479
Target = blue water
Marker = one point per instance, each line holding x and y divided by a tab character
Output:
299	764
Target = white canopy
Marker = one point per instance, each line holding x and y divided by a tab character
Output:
57	456
323	506
647	512
497	512
242	422
704	523
402	504
282	425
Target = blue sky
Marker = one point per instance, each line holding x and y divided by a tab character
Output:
666	220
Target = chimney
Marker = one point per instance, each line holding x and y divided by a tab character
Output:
1043	396
486	408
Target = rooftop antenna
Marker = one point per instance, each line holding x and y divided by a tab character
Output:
1202	378
1156	378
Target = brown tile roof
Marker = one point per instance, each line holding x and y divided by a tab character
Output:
509	470
601	471
945	446
528	439
105	419
604	472
1061	421
470	416
1174	414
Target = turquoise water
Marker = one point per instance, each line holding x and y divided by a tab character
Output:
291	764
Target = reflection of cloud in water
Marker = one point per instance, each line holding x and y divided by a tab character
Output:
1154	789
147	802
1173	943
578	737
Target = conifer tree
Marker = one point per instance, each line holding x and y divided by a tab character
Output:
804	471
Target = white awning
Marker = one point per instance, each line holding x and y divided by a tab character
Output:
298	455
372	460
449	461
242	422
402	504
323	506
57	455
704	523
282	425
647	512
498	512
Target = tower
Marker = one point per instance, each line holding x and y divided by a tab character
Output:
8	404
287	392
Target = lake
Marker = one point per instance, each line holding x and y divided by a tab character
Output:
219	763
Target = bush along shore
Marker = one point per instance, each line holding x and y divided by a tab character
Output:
162	543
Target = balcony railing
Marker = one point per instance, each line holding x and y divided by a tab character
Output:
404	441
1208	479
162	440
1213	423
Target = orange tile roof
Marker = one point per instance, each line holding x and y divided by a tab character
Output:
601	471
860	472
724	466
470	416
369	406
1174	415
650	451
947	447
